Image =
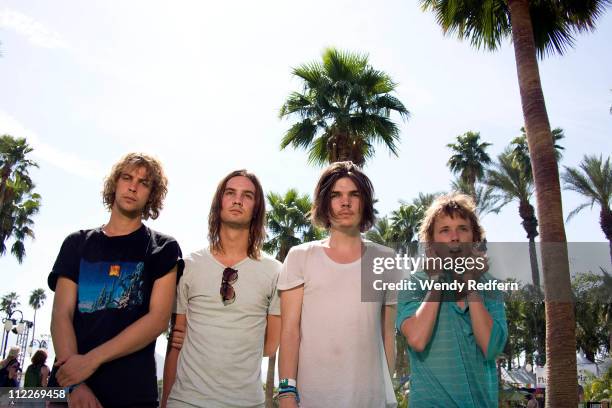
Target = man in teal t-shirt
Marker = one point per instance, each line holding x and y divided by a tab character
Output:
454	332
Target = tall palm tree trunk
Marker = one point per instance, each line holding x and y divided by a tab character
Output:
605	221
530	224
34	327
560	319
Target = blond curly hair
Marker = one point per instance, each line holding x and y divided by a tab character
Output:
155	171
452	204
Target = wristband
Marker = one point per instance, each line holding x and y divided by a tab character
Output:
287	382
73	387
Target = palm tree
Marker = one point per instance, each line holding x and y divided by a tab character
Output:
288	224
18	202
593	179
13	163
513	184
469	159
9	302
381	232
520	151
405	223
484	197
537	28
343	110
37	299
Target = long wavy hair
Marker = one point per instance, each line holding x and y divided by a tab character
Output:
452	205
155	172
257	230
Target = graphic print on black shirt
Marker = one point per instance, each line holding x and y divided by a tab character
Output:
115	278
110	285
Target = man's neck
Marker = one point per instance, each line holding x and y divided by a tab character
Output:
235	244
119	224
344	240
344	246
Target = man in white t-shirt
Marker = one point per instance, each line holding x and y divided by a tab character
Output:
336	349
228	303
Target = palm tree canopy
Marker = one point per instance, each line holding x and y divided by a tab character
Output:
554	22
37	298
520	150
508	178
592	179
484	197
9	302
345	106
18	202
469	158
287	222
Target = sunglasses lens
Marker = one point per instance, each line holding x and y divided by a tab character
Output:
228	295
230	275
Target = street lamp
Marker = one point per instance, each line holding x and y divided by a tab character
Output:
11	323
42	344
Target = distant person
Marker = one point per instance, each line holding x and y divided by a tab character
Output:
532	402
454	335
114	289
228	305
9	375
336	349
13	354
37	374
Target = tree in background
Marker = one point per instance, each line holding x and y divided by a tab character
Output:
537	28
469	159
37	299
343	110
9	302
513	183
18	202
593	180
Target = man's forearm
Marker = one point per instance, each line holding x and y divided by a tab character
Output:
482	323
63	336
133	338
288	354
169	373
418	328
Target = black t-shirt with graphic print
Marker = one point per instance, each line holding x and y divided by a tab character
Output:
115	277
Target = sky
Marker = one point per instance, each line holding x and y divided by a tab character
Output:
200	84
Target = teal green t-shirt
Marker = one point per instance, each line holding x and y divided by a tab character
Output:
452	371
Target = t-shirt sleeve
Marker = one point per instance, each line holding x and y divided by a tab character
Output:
274	305
67	261
182	289
165	257
292	271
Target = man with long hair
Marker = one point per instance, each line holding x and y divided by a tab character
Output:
114	289
336	349
454	332
227	309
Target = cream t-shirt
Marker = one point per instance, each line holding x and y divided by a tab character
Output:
220	362
341	356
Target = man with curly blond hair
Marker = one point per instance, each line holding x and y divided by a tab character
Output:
114	290
453	335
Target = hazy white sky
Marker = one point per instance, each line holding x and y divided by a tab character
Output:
199	84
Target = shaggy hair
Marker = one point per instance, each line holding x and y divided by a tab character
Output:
320	212
453	204
155	172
